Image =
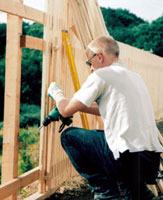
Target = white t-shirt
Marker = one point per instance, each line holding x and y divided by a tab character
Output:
125	107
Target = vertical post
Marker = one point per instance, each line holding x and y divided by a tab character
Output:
55	21
12	100
44	102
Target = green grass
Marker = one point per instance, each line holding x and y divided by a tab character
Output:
28	149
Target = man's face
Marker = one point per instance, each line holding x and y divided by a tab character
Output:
93	61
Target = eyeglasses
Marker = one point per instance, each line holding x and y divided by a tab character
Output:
88	62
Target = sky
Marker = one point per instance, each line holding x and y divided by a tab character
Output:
148	10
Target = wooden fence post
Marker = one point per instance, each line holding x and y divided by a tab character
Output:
12	100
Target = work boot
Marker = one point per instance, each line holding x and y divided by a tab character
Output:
126	194
148	194
145	194
107	195
124	191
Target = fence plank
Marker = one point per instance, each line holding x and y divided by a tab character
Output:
39	196
12	100
32	42
14	185
18	9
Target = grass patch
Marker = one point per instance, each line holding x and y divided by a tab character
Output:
29	139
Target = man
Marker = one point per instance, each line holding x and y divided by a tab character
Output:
128	150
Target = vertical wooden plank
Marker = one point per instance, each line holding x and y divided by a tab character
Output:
12	100
44	103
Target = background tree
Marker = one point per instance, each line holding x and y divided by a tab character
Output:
156	36
130	29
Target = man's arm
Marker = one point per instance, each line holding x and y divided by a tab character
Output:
67	107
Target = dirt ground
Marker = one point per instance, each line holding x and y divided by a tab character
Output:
74	189
77	189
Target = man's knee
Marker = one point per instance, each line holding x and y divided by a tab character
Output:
66	135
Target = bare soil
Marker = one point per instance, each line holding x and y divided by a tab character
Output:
74	189
77	189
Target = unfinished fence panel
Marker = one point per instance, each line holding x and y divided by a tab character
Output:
150	68
52	58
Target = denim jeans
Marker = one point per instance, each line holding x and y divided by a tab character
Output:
90	155
92	158
139	169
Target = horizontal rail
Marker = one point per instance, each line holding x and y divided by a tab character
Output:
21	10
14	185
42	196
32	42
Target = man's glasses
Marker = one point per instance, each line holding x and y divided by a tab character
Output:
88	62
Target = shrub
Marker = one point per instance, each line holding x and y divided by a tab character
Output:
28	149
160	126
29	115
1	125
25	162
0	169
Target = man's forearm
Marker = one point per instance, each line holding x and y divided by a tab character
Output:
67	107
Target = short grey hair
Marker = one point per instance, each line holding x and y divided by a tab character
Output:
104	44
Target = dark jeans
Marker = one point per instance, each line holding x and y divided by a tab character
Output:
92	158
140	168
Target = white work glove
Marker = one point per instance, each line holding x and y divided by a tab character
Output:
56	92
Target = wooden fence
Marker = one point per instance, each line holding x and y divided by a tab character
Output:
83	20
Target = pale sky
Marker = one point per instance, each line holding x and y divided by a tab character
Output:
146	9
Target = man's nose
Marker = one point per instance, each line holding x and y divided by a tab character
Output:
91	69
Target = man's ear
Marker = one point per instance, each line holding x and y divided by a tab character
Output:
100	57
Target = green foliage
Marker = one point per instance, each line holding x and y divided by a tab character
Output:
120	18
28	149
1	125
25	162
149	36
29	136
2	39
130	29
29	115
1	143
2	82
23	193
156	36
31	67
34	29
31	77
160	126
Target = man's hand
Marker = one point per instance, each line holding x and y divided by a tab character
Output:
55	91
